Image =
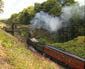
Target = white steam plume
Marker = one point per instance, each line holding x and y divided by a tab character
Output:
69	11
81	2
45	21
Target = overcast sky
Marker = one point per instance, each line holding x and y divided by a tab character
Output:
15	6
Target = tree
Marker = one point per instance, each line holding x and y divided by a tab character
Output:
37	7
47	6
1	6
24	16
50	6
66	2
31	11
53	7
13	18
56	10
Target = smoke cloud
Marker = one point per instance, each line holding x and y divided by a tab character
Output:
43	20
69	11
81	2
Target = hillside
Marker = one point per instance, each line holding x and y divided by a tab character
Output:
2	25
75	46
14	55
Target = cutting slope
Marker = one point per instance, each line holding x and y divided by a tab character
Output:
16	56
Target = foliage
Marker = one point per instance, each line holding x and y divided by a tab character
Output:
37	7
76	27
66	2
50	6
5	41
24	16
43	36
78	23
1	6
19	56
13	18
53	7
76	46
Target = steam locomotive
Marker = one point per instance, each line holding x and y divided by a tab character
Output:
73	61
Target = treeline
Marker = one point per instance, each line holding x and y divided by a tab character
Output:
24	16
53	7
1	6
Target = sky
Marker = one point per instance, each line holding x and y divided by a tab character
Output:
15	6
81	2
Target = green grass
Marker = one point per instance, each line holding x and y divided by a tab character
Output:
44	39
43	36
19	56
76	46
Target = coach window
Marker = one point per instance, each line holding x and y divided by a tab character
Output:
60	55
78	63
54	53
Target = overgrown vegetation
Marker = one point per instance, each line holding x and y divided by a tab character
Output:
70	38
19	56
43	36
1	6
76	46
64	36
53	8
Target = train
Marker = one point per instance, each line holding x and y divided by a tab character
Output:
74	62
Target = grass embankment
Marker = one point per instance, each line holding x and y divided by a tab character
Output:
76	46
19	57
43	36
2	25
